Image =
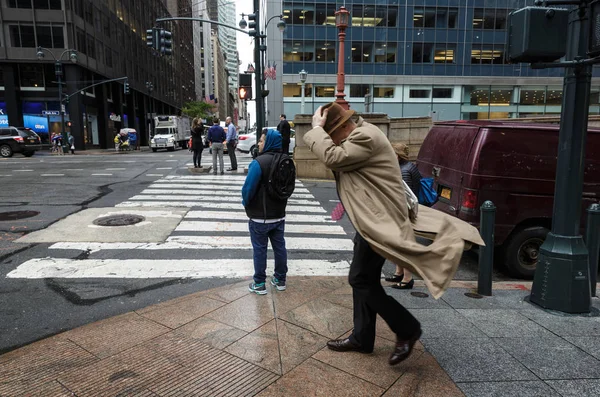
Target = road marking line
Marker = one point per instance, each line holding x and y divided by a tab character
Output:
40	268
154	174
52	175
212	243
197	186
101	174
211	192
212	205
116	169
165	168
220	227
162	197
22	170
241	216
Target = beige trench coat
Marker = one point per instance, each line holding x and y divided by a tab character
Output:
369	184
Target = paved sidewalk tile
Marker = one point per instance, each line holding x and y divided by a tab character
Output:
247	313
315	379
500	323
445	323
589	344
211	332
184	311
564	325
424	378
410	301
501	299
551	357
576	387
476	360
321	317
508	389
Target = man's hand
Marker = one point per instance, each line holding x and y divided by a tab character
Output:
318	119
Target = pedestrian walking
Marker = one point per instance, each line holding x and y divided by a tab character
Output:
371	190
285	130
197	144
231	143
411	175
57	144
270	182
72	143
216	136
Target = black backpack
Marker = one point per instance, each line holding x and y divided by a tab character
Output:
281	180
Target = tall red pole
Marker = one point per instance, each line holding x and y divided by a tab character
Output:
341	18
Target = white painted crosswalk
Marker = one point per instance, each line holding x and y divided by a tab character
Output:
214	229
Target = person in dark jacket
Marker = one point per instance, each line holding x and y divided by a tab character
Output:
216	136
285	131
267	216
412	177
197	144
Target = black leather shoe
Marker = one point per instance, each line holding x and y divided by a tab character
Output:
403	285
344	345
395	278
404	348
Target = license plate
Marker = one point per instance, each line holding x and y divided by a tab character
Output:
446	193
162	144
32	140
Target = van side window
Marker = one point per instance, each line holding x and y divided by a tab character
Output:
5	132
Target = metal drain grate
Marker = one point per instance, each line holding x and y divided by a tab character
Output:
15	215
119	220
419	294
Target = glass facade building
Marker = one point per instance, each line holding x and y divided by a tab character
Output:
443	58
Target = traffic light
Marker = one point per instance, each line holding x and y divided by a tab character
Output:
166	42
245	93
252	25
126	88
65	99
150	38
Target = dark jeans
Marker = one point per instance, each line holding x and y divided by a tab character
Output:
197	157
260	234
231	151
370	299
285	145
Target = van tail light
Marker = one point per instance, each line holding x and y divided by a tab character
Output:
243	138
18	138
469	201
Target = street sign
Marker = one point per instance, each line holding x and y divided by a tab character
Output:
52	112
250	68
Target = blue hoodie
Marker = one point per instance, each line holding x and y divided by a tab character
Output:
272	144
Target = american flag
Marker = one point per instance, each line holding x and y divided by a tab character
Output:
271	71
211	99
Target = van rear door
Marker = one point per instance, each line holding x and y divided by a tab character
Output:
444	156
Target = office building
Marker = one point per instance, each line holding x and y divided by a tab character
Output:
439	58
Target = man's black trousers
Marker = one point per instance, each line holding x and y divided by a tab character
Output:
370	299
285	145
231	151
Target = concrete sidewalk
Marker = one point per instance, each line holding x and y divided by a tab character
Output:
228	342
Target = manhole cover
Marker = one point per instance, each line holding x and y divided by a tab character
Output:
419	294
473	295
119	220
14	215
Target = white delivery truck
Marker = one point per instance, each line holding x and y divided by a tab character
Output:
170	132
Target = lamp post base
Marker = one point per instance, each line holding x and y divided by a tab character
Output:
561	279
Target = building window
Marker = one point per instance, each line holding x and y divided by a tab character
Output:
47	4
373	15
81	46
298	51
359	90
444	55
362	51
19	3
487	54
489	18
419	93
294	90
422	53
108	57
325	51
501	96
532	95
385	52
442	92
50	36
22	36
554	96
479	96
383	92
431	17
324	91
31	75
91	49
325	14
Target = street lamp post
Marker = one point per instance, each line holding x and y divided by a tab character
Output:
303	75
59	73
341	22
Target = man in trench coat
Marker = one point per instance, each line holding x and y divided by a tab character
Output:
369	185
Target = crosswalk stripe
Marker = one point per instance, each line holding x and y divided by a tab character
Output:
220	227
40	268
199	186
211	192
211	205
241	216
212	243
162	197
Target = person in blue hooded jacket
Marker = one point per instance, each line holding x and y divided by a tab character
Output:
267	215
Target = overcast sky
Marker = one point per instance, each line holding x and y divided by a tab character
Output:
245	47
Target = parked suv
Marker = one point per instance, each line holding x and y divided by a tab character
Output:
19	140
513	165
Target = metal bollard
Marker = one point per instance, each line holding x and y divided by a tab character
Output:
592	240
486	254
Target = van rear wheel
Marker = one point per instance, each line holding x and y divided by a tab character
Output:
522	251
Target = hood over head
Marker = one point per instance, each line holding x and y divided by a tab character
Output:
272	141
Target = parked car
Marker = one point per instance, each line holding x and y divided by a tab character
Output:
247	142
19	140
513	165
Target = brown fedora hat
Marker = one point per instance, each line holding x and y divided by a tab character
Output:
336	116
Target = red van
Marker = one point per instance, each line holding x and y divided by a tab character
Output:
513	165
